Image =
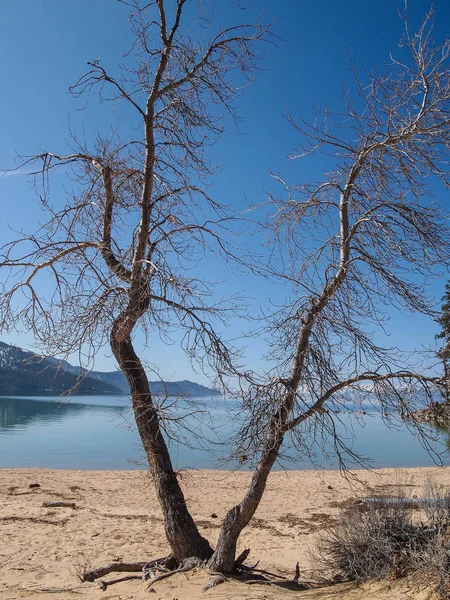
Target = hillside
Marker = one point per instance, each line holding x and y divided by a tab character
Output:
171	388
23	373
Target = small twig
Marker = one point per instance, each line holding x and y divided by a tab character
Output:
262	571
251	568
8	558
59	590
288	583
59	504
281	582
262	581
13	518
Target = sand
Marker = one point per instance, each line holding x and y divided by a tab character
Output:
117	518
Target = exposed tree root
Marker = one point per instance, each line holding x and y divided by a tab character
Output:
148	570
104	584
217	580
262	571
123	567
185	566
291	584
168	563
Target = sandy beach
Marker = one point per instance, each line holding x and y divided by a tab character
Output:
117	518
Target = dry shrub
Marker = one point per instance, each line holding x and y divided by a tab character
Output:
82	564
390	537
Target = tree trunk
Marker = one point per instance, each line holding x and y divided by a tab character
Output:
239	516
182	533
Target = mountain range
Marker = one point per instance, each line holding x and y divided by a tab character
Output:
24	373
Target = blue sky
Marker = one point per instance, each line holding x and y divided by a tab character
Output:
44	47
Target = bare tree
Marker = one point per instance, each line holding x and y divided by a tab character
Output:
367	237
119	254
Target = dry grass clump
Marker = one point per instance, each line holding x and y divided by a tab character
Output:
390	536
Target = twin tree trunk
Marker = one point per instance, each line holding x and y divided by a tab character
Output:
239	516
182	533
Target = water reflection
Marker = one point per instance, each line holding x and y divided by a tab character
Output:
71	435
18	412
99	433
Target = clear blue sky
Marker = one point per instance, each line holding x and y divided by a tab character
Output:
44	47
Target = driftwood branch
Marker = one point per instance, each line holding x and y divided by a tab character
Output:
119	567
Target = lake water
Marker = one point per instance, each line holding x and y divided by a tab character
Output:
99	433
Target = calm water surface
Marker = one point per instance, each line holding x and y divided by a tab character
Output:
99	433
